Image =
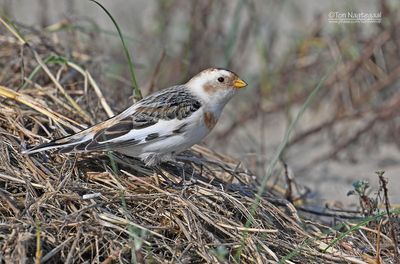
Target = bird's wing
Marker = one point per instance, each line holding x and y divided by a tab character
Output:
153	118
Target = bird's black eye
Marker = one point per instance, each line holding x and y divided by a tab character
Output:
221	79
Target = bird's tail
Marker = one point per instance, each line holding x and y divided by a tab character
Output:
66	144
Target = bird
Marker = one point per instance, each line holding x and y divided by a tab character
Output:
161	125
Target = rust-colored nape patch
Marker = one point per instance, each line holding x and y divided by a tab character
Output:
210	120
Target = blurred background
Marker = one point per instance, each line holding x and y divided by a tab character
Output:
283	49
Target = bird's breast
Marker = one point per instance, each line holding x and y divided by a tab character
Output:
210	120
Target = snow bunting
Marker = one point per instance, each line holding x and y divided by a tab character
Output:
160	125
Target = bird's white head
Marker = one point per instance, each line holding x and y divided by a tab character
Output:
216	85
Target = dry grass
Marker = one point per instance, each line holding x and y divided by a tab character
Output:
71	209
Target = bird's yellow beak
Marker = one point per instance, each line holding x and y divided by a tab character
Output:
239	83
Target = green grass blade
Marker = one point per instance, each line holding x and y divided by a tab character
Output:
12	28
277	156
138	93
363	222
49	59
